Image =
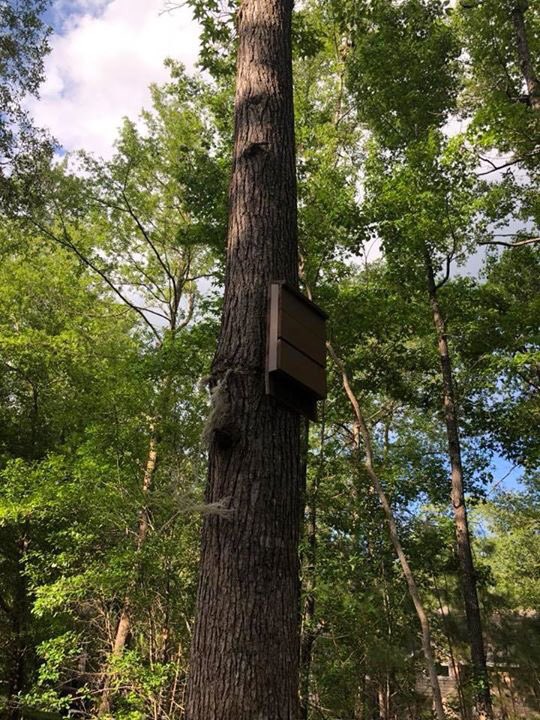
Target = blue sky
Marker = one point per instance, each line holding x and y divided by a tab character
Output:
506	476
62	12
105	54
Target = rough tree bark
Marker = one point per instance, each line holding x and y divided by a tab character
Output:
361	430
245	649
463	539
524	55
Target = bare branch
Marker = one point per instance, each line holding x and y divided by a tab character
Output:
147	238
159	297
446	277
515	161
147	288
517	243
67	243
189	312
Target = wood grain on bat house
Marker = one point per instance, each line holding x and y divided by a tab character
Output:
296	359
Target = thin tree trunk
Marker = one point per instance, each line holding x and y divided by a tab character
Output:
360	700
382	701
463	540
510	684
459	669
455	667
17	676
525	62
309	632
388	616
504	712
362	430
245	648
123	627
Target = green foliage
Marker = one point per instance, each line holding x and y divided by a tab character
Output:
110	285
402	67
24	41
85	389
511	545
494	90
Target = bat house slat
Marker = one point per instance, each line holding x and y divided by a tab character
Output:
302	312
296	356
311	338
301	368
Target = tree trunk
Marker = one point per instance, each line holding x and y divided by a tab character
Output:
360	700
361	430
383	701
525	62
447	631
123	627
463	540
245	649
309	631
19	613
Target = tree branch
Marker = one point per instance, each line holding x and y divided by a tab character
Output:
67	243
515	161
517	243
362	428
146	237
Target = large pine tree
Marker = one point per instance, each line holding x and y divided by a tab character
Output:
245	648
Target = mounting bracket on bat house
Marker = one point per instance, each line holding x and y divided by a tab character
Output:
296	350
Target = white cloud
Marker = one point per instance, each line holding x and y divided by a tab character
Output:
101	65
